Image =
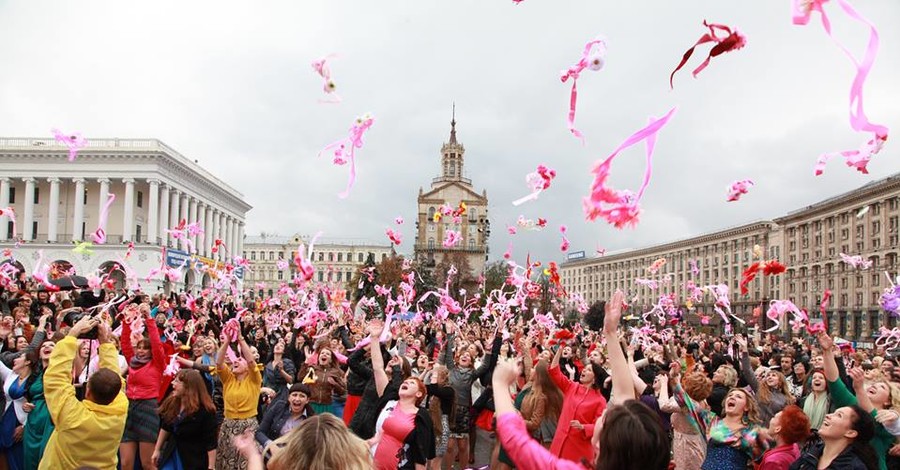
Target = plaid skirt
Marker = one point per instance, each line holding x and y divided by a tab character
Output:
227	456
142	424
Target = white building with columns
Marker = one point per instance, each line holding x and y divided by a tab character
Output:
58	203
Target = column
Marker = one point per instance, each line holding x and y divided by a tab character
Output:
53	216
4	203
77	232
220	231
128	218
28	219
214	229
185	200
164	216
192	217
208	229
153	212
229	234
201	221
234	238
173	215
241	238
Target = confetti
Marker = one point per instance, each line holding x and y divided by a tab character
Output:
623	206
74	142
345	149
738	188
593	57
538	181
99	235
731	42
859	122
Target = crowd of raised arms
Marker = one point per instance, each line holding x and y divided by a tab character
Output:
113	379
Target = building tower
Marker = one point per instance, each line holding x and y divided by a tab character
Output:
452	190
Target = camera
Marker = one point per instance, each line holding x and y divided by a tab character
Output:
74	316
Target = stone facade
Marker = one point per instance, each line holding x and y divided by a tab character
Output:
808	241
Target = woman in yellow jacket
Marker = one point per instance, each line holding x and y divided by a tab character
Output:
87	432
241	384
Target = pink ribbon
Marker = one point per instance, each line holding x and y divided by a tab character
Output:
623	204
594	56
564	245
857	261
859	159
888	339
395	237
74	142
99	235
345	149
538	181
328	86
738	188
732	42
451	239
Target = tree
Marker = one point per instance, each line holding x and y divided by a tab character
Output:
463	279
495	275
361	283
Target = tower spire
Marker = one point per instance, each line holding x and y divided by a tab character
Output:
453	125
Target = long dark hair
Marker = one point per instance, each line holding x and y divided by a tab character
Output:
192	398
633	438
864	425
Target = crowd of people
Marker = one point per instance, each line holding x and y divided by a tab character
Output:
111	379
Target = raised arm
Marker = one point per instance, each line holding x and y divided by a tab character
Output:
446	357
746	371
158	353
621	376
487	366
381	378
65	409
828	362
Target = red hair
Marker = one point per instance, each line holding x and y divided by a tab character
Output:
794	424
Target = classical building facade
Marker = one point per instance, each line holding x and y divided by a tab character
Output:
58	203
336	261
451	189
808	241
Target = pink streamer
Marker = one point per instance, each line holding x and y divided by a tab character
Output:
451	238
321	67
395	237
537	181
623	204
74	142
857	261
11	213
732	42
345	149
593	57
859	122
564	245
738	188
99	235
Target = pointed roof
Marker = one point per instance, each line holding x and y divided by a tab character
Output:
453	125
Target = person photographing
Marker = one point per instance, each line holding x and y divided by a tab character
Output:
87	432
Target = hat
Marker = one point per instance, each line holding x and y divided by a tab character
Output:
301	387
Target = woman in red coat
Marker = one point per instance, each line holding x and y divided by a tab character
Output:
582	406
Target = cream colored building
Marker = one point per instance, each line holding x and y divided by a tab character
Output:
808	241
336	261
58	202
452	188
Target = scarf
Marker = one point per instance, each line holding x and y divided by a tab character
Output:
816	408
137	363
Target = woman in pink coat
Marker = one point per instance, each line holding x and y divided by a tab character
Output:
582	406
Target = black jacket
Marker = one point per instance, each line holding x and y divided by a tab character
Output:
364	419
356	383
847	460
418	447
194	436
274	419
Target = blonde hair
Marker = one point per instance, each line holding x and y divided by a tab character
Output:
765	393
751	414
305	447
731	375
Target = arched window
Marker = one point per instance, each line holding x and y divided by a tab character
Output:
431	243
471	243
340	258
473	214
330	256
359	258
430	214
321	257
349	257
452	168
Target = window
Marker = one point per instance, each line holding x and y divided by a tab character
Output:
280	275
859	281
281	255
383	256
845	233
431	214
271	256
876	278
349	257
876	243
321	258
34	230
252	256
137	233
330	256
140	199
876	227
12	195
9	230
471	243
473	215
37	195
340	260
85	197
430	242
320	274
359	258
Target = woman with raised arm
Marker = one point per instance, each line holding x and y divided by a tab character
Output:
146	362
241	384
375	392
879	395
816	402
630	438
772	392
462	375
845	435
688	445
733	440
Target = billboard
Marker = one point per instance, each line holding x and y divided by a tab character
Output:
575	255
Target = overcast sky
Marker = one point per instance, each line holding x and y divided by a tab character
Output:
230	84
